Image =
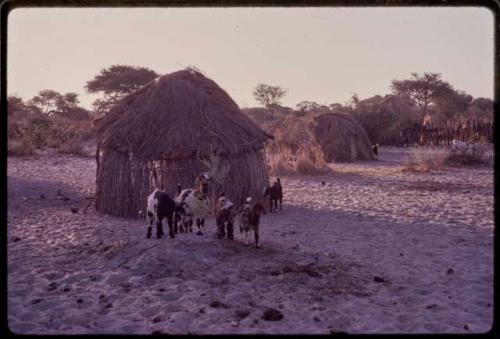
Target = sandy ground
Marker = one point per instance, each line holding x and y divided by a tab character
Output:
372	250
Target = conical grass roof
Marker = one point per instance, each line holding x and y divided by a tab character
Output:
179	115
341	137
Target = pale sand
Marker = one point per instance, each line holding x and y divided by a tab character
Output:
92	273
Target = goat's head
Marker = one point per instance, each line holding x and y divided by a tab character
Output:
180	208
202	181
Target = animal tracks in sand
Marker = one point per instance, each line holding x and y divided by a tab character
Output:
364	253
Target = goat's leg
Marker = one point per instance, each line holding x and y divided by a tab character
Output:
170	227
280	202
256	235
270	204
159	229
190	224
150	218
198	223
175	223
230	229
220	228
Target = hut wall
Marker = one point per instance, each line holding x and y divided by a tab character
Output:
123	183
247	175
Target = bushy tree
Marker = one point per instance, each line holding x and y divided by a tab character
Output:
421	90
481	108
451	105
51	102
269	96
383	118
115	82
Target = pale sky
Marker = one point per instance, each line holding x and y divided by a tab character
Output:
320	54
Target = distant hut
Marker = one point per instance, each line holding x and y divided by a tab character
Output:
294	148
165	133
341	138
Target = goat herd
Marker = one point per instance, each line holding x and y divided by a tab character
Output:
194	203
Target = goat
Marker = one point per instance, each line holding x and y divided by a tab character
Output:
224	215
275	193
459	145
185	219
375	149
195	201
160	206
250	220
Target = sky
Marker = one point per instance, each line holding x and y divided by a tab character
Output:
322	54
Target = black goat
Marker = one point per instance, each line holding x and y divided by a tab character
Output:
275	193
160	206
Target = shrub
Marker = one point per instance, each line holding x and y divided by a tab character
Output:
470	156
73	147
424	161
306	166
21	147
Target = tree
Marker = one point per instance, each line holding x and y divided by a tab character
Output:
51	102
305	106
421	90
46	101
16	106
481	108
269	96
115	82
451	105
339	108
383	118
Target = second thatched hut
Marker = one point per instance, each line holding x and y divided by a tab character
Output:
168	132
342	139
294	148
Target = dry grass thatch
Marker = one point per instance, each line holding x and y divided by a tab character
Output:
341	138
179	115
294	149
168	132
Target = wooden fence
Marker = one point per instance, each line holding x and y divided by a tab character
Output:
472	131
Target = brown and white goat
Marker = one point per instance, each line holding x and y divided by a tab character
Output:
250	221
224	215
196	202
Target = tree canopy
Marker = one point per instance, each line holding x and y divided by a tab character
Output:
421	90
52	102
269	96
117	81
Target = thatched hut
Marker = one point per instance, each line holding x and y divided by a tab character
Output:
294	148
341	138
168	132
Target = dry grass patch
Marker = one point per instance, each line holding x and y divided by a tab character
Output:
473	155
424	161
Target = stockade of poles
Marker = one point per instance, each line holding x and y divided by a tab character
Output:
472	131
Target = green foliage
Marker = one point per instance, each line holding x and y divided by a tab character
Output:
481	108
29	129
421	90
51	102
117	81
451	105
383	118
269	96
